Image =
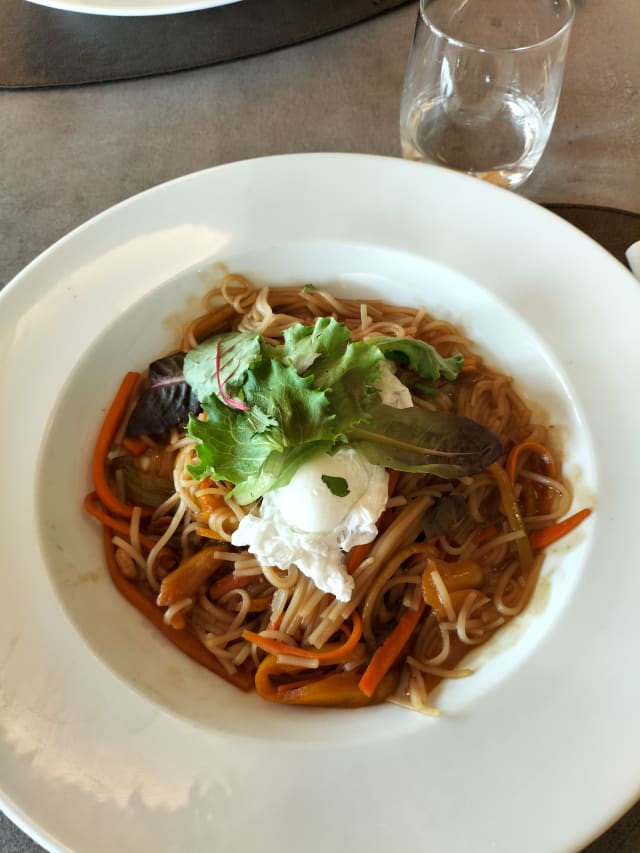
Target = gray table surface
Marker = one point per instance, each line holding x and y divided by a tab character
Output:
67	154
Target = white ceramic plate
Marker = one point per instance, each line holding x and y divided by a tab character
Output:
110	739
132	7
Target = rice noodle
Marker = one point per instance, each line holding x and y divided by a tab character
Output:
284	606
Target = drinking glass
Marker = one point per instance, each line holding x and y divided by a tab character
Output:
482	84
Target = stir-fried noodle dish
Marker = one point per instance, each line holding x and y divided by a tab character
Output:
328	500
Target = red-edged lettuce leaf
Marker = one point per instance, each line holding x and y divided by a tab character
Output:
218	366
439	443
166	401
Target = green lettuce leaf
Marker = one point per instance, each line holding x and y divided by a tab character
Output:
278	406
303	345
287	403
420	357
345	370
229	445
247	459
271	409
278	470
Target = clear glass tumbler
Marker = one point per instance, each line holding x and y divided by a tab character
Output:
482	84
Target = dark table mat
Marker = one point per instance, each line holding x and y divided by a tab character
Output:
40	46
615	230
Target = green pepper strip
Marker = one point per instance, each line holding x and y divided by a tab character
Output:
512	512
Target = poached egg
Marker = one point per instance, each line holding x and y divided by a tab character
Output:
305	524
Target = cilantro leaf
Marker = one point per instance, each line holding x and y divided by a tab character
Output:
338	486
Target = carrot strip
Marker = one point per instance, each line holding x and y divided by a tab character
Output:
357	555
486	534
275	623
109	428
336	654
265	688
548	535
186	642
256	605
388	653
228	583
134	444
90	504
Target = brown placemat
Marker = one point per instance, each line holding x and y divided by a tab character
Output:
40	46
615	230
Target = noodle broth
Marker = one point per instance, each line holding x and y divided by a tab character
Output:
154	667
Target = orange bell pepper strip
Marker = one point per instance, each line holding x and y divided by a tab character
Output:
460	577
189	576
185	641
336	690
